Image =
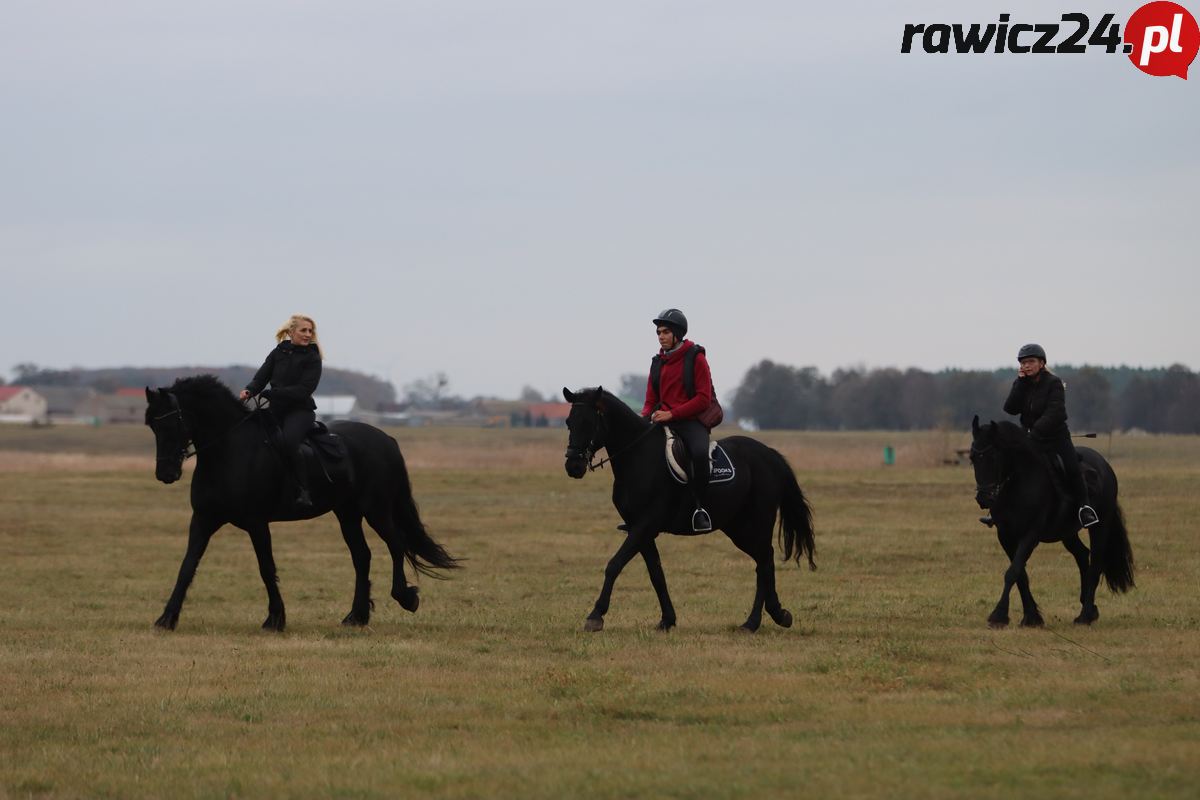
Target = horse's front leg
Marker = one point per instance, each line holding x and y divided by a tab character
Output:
635	540
1018	553
200	531
658	580
260	537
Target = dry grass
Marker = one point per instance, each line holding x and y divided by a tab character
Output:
890	685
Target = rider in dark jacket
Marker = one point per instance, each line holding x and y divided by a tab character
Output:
293	369
1039	396
670	403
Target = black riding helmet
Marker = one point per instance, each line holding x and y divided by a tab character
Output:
1031	351
674	319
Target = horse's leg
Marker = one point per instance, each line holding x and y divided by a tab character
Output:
351	523
385	526
200	530
635	540
1018	554
659	581
1098	537
1081	554
260	537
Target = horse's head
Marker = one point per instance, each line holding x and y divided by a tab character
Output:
987	462
171	436
586	428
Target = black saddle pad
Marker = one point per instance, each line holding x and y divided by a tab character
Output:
720	467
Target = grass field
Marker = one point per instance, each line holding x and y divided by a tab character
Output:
890	684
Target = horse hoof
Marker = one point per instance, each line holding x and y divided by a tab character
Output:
666	625
783	619
408	598
1032	622
746	627
355	620
591	625
167	621
1085	618
997	624
274	622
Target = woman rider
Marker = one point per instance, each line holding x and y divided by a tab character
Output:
293	369
1039	396
669	402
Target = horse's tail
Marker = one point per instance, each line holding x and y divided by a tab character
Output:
795	514
1116	556
420	549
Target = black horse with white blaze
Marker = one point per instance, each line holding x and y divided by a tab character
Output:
1014	480
650	501
239	479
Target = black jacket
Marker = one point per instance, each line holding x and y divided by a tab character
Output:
1042	404
294	373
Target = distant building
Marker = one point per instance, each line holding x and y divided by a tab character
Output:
334	407
120	407
552	415
21	404
64	404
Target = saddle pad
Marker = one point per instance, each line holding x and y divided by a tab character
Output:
720	468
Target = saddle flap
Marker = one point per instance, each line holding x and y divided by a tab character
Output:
720	467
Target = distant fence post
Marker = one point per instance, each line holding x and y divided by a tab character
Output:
889	455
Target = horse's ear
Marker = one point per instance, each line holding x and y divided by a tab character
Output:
569	395
600	404
149	396
975	424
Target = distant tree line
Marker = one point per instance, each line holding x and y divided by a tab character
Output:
1098	398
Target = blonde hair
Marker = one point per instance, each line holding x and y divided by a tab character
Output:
285	330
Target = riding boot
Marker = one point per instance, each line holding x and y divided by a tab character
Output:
1087	515
701	521
302	497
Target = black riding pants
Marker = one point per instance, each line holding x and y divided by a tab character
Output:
1065	449
293	427
695	436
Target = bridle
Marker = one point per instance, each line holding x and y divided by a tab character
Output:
597	441
991	489
190	448
588	452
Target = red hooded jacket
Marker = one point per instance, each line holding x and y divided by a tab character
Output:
673	398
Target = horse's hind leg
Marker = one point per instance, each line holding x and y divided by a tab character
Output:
765	596
351	524
385	526
260	537
1088	562
200	531
658	580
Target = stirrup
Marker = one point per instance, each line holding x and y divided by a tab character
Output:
1088	516
991	523
701	522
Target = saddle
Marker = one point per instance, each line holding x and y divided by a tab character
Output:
720	467
323	452
1058	472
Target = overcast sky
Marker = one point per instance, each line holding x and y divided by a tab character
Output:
509	191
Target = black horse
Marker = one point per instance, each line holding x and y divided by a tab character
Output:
240	477
1015	481
650	501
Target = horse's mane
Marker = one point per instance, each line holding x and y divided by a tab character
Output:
209	391
615	406
1012	437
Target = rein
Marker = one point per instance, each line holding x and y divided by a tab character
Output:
590	451
189	443
600	464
